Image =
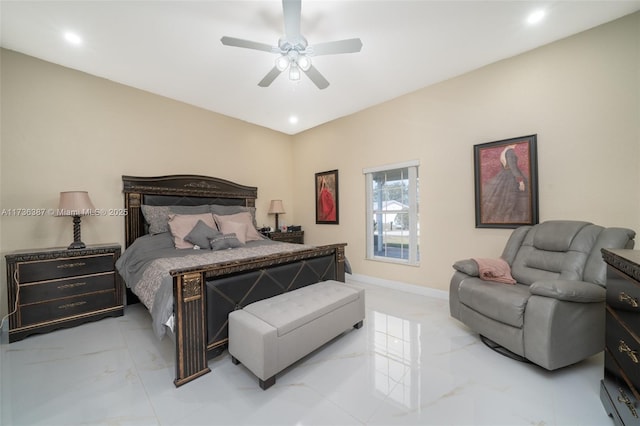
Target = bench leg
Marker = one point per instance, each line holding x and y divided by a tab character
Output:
266	384
235	360
358	325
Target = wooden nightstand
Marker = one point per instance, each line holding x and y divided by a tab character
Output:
296	237
60	288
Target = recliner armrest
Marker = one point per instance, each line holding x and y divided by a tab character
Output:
569	290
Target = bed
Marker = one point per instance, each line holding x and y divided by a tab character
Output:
203	288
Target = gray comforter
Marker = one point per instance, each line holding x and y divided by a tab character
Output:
145	267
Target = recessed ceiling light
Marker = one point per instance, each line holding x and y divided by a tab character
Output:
293	119
536	17
73	38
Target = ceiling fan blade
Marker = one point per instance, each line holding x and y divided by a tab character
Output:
317	78
292	10
268	79
351	45
247	44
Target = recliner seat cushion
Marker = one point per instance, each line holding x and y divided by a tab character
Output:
500	302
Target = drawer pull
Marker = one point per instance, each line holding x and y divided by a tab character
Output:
631	353
71	265
71	305
624	297
71	285
623	398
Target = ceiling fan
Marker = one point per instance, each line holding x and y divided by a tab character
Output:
293	50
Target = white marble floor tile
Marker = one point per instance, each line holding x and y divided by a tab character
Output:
411	364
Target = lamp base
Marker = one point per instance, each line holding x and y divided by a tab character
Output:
76	245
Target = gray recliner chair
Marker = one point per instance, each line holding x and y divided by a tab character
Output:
554	315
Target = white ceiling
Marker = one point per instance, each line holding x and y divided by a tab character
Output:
172	48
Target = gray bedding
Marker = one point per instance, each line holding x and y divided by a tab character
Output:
145	267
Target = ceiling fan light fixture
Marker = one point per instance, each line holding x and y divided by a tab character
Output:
294	72
282	62
304	62
293	50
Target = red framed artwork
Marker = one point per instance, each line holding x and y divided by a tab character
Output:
327	211
506	183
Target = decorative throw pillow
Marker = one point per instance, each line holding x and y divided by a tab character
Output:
237	228
224	241
181	225
157	217
251	233
467	266
201	234
221	210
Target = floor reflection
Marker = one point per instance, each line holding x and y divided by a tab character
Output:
396	363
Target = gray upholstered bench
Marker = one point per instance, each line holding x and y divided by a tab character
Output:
270	335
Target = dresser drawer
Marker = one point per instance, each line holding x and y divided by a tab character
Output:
623	397
63	268
66	307
624	348
623	293
56	289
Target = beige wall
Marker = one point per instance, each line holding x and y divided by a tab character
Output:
581	96
67	130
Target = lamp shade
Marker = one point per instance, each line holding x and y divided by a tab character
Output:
75	203
276	207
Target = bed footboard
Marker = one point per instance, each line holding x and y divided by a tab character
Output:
205	295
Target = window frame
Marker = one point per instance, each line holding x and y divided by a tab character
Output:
413	212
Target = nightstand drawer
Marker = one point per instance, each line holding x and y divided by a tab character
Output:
296	237
63	268
67	307
56	289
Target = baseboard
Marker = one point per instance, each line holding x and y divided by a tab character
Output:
399	286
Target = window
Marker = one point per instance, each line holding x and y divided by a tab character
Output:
392	213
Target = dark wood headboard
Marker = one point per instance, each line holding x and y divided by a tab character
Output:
178	190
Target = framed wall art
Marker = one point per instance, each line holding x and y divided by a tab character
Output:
327	211
506	183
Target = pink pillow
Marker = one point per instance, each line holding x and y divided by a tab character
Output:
251	233
181	224
240	229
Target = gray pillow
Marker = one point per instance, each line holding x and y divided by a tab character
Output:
467	266
224	241
157	217
201	234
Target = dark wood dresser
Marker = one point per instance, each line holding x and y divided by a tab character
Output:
59	288
296	237
619	389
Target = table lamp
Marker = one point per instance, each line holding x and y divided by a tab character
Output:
276	208
76	204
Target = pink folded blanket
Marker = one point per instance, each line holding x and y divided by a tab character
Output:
494	270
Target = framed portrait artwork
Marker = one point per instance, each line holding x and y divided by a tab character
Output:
506	183
327	211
